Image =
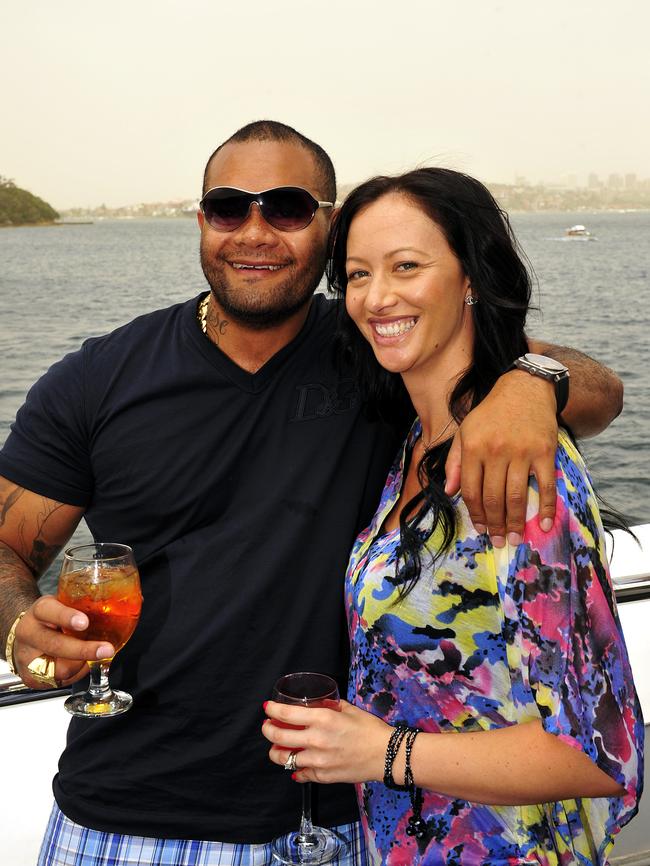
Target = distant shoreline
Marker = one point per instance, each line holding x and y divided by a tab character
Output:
517	198
580	210
52	224
511	210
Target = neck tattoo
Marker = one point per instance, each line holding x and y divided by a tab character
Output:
217	324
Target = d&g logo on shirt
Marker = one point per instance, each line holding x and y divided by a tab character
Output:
315	400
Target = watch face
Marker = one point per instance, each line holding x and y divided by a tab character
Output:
545	362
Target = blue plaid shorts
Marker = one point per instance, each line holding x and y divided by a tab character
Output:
69	844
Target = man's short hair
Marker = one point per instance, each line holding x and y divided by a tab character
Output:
272	130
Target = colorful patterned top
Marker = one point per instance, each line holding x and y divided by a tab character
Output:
496	637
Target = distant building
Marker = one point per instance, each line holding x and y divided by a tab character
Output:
615	181
630	181
593	181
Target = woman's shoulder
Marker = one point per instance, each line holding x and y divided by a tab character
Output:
568	452
574	484
577	523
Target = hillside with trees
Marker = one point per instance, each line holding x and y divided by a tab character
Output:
19	207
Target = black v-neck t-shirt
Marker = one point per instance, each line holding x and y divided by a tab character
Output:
241	495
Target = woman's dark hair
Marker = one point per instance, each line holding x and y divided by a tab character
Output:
479	234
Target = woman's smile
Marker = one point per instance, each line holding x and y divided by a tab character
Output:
391	329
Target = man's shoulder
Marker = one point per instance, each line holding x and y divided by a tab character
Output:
140	337
130	348
151	322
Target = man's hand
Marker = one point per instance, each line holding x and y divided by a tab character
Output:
41	633
509	436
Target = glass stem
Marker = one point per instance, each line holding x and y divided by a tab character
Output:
306	835
99	688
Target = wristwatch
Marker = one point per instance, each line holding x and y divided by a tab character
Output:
549	369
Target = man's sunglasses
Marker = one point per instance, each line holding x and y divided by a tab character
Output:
287	208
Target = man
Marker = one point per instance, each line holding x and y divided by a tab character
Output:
219	441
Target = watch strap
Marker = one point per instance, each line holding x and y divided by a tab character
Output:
561	382
561	393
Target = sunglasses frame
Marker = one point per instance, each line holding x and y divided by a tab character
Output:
257	198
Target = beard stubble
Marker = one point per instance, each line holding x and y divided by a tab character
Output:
263	309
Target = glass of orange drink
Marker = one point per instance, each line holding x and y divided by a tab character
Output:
102	581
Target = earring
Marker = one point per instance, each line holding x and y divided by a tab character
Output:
470	299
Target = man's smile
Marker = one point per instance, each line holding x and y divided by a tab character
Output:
243	266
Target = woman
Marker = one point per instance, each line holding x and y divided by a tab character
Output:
514	653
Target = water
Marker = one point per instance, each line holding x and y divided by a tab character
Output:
595	296
60	285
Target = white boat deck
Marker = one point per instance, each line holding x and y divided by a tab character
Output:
32	735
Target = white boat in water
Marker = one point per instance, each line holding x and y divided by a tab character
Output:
33	724
579	232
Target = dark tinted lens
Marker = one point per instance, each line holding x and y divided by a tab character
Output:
226	210
288	209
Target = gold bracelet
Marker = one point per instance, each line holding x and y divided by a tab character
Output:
11	637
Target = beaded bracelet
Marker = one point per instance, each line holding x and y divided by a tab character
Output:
417	826
408	748
392	749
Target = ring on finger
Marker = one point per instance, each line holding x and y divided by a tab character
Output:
42	670
290	763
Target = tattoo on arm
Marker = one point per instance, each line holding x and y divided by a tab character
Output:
6	504
34	528
42	556
19	590
32	545
43	553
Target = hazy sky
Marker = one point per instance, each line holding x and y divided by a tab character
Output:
122	102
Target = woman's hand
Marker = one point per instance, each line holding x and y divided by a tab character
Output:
516	765
344	745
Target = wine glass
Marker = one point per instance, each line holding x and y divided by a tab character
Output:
102	581
308	844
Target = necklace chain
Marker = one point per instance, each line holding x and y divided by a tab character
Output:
428	445
202	313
